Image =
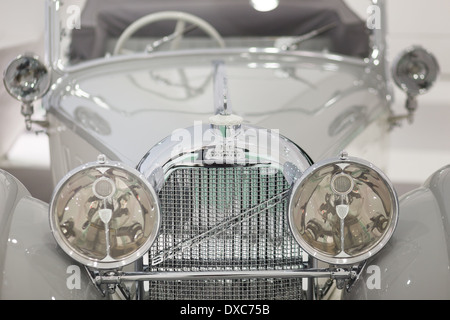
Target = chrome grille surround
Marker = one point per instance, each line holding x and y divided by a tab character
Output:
224	217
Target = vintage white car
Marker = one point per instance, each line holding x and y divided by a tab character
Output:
220	150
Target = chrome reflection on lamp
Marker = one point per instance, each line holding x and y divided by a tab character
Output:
104	214
414	71
27	79
343	210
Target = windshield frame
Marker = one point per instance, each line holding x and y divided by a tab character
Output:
376	57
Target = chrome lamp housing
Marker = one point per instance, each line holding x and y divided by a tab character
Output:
104	214
343	211
27	79
415	71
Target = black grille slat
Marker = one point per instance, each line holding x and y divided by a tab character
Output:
194	200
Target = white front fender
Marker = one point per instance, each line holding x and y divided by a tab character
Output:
32	265
415	263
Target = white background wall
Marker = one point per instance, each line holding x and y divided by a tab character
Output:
417	150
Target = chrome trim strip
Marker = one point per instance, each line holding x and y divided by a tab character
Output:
214	275
213	51
380	34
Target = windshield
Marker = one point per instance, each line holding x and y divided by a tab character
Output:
82	30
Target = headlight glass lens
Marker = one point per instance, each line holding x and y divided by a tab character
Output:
105	215
343	210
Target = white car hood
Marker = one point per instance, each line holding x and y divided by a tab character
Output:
318	101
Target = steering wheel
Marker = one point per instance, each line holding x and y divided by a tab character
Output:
180	17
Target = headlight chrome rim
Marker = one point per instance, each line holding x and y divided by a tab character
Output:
347	259
108	262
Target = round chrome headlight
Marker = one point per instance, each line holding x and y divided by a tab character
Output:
343	210
26	78
104	214
415	70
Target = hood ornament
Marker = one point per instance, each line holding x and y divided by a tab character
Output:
224	120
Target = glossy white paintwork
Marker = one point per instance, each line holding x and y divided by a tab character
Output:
415	263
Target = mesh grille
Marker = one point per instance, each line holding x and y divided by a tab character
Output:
226	218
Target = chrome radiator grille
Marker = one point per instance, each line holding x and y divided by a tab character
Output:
225	218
